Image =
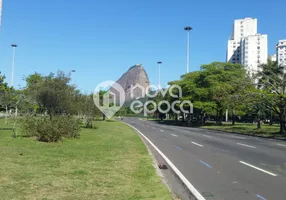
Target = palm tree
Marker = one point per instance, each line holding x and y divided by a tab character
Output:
272	84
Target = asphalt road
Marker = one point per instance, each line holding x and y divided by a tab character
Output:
222	166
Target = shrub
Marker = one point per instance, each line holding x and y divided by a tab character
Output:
50	130
88	122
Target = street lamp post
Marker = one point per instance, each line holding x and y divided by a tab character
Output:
71	73
159	74
188	29
13	62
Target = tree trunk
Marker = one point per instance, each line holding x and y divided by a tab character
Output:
183	117
204	119
176	117
233	118
258	123
218	118
282	124
6	116
271	119
103	117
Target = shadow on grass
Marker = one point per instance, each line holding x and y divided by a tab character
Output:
84	127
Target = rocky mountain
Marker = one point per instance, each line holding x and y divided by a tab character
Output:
136	75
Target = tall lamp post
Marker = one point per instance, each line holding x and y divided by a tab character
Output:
159	74
71	73
13	62
188	29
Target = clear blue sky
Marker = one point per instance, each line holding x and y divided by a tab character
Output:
101	39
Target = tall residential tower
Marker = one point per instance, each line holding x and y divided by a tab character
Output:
281	53
246	46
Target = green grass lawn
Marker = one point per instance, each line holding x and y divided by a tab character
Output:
248	129
9	125
109	162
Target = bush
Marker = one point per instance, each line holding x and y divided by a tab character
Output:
88	122
50	130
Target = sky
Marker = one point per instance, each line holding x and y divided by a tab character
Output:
102	39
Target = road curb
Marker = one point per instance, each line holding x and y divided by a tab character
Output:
184	180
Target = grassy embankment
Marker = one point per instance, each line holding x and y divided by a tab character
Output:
109	162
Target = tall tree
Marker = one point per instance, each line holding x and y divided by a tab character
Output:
53	93
272	84
210	88
7	96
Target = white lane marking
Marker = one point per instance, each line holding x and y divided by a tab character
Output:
179	148
197	144
260	197
162	131
282	145
208	136
206	164
245	145
174	135
193	190
262	170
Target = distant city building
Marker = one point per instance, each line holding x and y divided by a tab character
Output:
243	28
254	51
246	46
281	52
273	57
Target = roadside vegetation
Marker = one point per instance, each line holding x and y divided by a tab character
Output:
255	102
55	144
107	162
